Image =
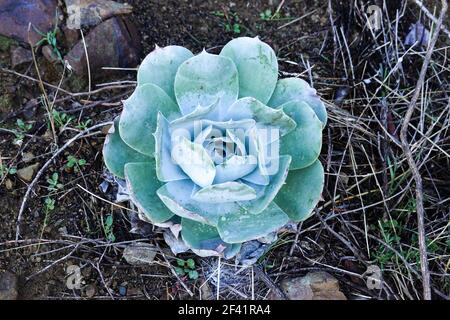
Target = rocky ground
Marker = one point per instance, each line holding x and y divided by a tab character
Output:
73	242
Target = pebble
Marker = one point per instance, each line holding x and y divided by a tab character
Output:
27	173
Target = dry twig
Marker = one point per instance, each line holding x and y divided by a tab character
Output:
415	171
45	166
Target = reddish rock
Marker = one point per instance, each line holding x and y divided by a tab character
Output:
15	16
113	43
71	36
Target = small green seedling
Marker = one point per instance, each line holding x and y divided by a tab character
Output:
53	184
49	204
108	228
4	170
61	119
22	128
75	164
83	125
232	21
235	28
268	15
186	268
50	39
25	127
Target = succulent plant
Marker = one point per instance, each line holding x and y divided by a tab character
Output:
218	145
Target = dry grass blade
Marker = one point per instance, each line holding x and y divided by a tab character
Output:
411	161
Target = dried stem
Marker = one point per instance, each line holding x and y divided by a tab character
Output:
414	169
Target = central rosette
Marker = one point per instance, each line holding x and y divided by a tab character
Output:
228	161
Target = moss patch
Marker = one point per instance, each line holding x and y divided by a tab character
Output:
6	43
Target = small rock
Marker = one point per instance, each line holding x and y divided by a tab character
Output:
63	231
88	13
8	184
27	156
8	286
15	15
313	286
139	253
90	290
113	43
27	173
49	54
19	56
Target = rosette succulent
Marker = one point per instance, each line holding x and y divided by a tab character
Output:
218	145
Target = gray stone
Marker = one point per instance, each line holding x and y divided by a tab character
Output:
27	173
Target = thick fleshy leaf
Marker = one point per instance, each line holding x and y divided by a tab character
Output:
246	226
194	161
305	142
138	120
204	79
276	182
117	153
289	89
266	152
250	108
302	191
166	169
160	67
257	66
230	191
177	196
234	168
232	251
257	177
238	138
268	156
142	182
200	236
204	135
199	113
